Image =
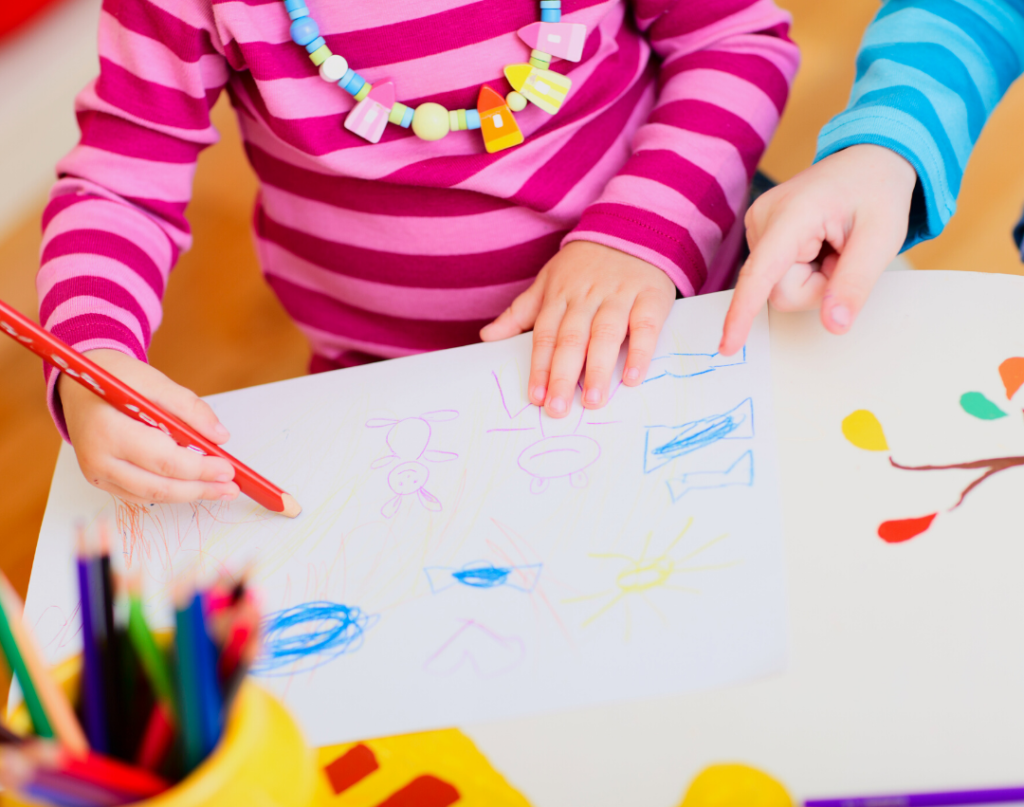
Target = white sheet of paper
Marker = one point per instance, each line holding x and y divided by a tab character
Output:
463	558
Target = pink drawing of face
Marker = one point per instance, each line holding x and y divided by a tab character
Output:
408	441
408	478
557	457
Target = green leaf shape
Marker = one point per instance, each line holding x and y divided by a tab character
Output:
976	404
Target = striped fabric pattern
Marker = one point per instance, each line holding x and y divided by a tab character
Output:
404	246
929	74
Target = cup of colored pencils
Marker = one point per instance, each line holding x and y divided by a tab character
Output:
142	716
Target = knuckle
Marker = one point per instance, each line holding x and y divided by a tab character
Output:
166	466
571	338
544	340
605	330
643	323
159	494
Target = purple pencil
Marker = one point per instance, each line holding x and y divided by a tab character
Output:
1000	795
93	701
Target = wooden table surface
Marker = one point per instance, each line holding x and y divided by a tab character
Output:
223	329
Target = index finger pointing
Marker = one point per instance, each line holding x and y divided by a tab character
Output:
768	262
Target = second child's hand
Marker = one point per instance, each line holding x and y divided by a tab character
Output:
851	209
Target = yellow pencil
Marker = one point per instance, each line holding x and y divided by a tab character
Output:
58	708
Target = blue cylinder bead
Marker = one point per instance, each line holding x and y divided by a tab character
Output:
550	15
291	5
299	12
550	3
316	44
472	119
304	30
355	84
409	112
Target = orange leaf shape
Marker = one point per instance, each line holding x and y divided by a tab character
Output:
1012	373
896	532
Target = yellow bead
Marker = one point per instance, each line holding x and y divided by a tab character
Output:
320	55
397	113
516	101
453	120
430	121
364	91
462	120
735	786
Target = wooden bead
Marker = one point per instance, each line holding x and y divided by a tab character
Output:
397	113
364	91
540	59
430	121
516	101
320	55
564	40
544	88
498	125
304	30
472	119
333	68
370	116
315	45
550	15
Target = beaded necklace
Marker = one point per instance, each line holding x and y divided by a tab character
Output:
533	82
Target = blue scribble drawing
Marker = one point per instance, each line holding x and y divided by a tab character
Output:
690	365
483	574
663	444
307	636
740	472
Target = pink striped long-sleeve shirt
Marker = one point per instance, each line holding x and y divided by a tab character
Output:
382	250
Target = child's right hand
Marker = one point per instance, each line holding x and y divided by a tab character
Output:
136	462
854	205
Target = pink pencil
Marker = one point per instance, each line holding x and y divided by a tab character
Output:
119	395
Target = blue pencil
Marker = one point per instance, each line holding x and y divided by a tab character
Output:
938	799
93	701
206	678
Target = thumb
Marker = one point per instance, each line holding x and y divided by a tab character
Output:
518	317
864	257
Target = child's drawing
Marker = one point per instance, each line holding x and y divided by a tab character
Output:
690	365
477	647
309	635
864	431
408	442
639	577
483	574
740	472
663	444
555	456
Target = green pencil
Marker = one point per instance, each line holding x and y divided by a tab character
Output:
190	717
40	722
153	661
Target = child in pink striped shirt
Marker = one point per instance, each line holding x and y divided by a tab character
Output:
584	233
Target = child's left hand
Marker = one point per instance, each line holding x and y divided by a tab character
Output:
581	307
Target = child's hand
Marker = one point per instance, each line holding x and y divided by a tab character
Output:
136	462
580	307
849	212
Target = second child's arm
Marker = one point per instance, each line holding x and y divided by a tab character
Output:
888	169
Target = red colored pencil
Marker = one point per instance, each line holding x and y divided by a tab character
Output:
157	739
119	395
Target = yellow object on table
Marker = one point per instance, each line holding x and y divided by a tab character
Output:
262	759
735	786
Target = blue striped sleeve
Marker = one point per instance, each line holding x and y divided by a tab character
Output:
929	74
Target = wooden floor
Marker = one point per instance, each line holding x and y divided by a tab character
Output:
223	329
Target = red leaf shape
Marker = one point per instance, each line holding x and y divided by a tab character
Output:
896	532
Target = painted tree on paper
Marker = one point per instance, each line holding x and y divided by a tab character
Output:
863	430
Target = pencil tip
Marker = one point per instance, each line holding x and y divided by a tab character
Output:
291	507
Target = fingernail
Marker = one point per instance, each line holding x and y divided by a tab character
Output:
592	396
539	393
633	374
557	405
840	315
220	431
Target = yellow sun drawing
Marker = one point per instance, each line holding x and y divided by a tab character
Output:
642	575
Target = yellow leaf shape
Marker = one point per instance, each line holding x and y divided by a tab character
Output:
863	430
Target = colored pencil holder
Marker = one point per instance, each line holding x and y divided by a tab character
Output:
262	758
